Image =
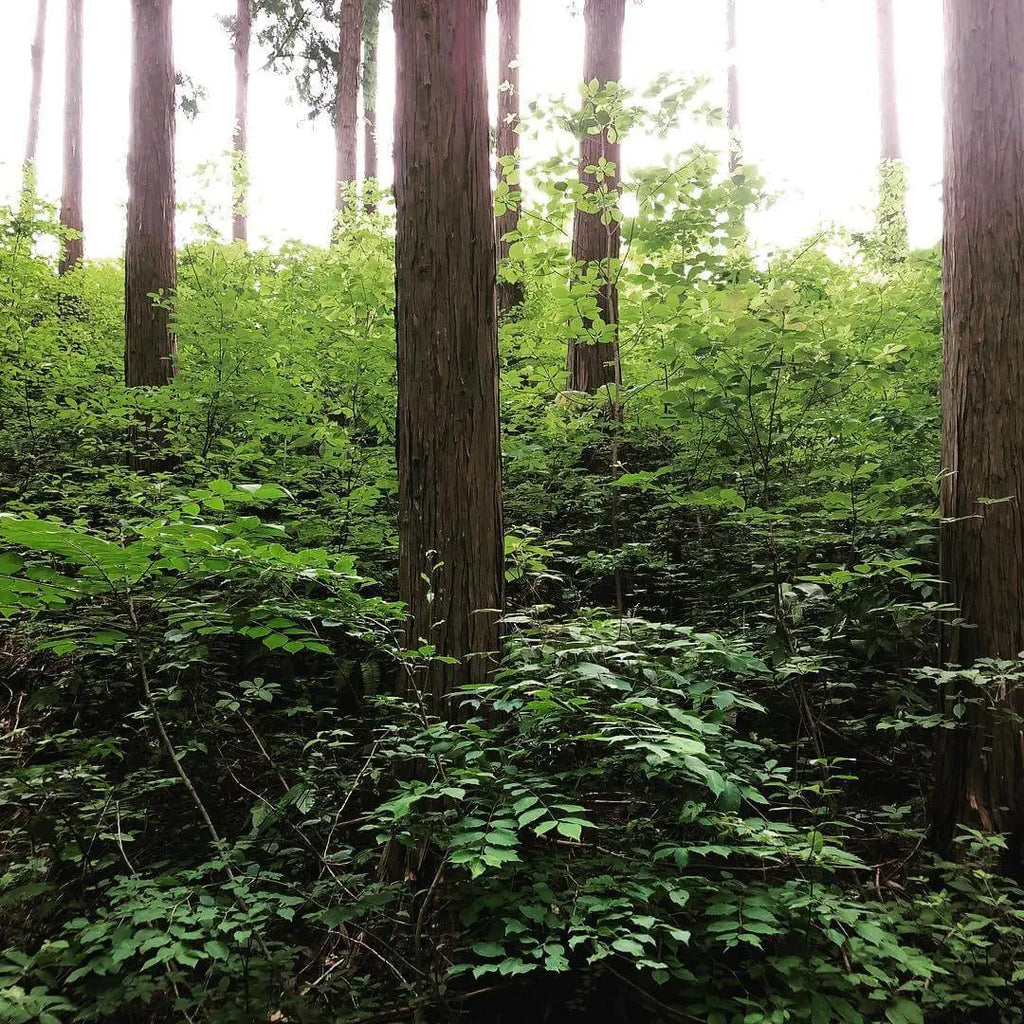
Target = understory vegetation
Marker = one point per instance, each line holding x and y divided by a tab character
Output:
697	788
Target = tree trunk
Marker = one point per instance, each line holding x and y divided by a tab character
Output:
980	781
449	467
71	195
346	97
241	34
593	359
892	201
371	32
150	346
510	293
733	98
35	101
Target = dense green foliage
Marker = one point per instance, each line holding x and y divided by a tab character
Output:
696	790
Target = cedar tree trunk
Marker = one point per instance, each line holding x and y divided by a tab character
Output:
980	781
892	202
371	32
35	99
241	35
346	97
510	293
449	466
733	98
150	347
593	362
71	195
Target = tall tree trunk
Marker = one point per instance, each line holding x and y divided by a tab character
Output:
593	360
150	346
35	101
71	195
892	203
241	35
733	98
371	33
449	468
346	97
510	293
980	781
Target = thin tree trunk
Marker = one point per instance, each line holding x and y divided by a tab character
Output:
150	345
980	781
892	211
241	32
510	293
371	32
71	195
346	97
449	468
733	99
593	359
35	100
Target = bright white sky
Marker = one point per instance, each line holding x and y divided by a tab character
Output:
808	99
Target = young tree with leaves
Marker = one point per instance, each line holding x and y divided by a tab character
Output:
241	34
510	293
593	359
34	102
450	526
150	267
71	192
980	781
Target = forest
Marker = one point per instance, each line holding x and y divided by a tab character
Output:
540	604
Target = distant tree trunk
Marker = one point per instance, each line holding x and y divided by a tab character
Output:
449	468
35	101
593	360
71	195
892	212
150	346
510	293
242	32
980	781
371	32
346	96
733	106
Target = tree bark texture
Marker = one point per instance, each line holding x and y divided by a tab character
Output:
71	194
371	33
888	108
980	781
733	93
150	345
346	96
241	36
450	524
35	96
510	293
594	364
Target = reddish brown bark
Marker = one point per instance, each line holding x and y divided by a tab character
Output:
980	780
733	99
594	364
450	527
371	31
510	293
150	345
71	195
241	36
346	96
35	96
